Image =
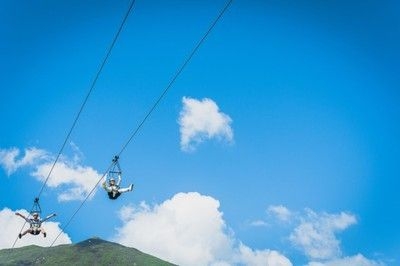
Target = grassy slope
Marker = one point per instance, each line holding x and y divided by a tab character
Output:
89	252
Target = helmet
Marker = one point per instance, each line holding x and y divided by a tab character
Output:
35	214
112	179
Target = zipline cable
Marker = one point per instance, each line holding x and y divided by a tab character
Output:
90	90
80	206
180	70
174	78
92	86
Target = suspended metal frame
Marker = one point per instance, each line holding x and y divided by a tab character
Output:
115	170
36	207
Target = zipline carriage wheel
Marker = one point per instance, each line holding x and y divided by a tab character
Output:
36	207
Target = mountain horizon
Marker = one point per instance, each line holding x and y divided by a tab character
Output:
92	251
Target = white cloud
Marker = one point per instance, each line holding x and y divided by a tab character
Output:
315	234
262	257
188	229
357	260
200	120
259	223
75	179
10	162
280	211
12	224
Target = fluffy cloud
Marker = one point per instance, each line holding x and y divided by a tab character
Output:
357	260
261	257
189	229
281	212
12	224
75	179
10	162
315	234
258	223
201	120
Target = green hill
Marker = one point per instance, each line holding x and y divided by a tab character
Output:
93	251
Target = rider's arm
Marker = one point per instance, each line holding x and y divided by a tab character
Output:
119	179
106	186
48	217
22	216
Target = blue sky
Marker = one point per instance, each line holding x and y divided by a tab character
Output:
290	112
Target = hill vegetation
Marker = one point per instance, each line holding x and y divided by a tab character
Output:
93	251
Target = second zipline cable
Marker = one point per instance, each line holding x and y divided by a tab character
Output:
164	92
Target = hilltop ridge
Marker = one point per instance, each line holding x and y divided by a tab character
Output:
92	251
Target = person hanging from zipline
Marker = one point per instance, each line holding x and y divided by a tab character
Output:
35	224
113	187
